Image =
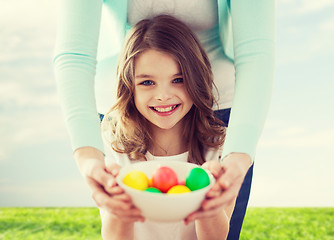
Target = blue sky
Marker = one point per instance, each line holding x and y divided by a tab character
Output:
295	157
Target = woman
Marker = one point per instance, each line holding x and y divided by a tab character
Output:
237	35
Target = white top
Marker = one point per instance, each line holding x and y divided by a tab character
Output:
150	230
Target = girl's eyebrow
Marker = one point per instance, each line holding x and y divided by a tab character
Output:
177	74
143	76
150	76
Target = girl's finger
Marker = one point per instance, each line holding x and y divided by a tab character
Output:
224	199
128	217
203	214
132	212
212	203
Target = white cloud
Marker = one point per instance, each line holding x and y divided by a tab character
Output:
304	6
47	193
307	6
27	30
328	26
30	128
304	31
28	13
16	94
297	137
292	131
303	189
293	165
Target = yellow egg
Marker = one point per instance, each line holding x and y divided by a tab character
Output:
136	179
178	189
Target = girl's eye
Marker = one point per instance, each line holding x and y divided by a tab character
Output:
178	80
146	83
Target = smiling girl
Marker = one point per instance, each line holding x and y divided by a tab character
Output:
164	109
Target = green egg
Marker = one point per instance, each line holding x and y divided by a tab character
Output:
197	179
153	190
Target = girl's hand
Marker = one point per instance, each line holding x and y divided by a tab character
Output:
102	183
212	205
229	176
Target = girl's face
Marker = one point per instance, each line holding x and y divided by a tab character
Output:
160	94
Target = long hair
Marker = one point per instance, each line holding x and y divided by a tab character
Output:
128	127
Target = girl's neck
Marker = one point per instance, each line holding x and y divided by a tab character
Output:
167	142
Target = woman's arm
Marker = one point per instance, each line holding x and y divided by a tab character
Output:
74	63
253	28
117	211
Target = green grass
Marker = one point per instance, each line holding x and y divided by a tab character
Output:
84	224
288	224
49	224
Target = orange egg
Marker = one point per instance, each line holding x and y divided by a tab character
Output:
150	184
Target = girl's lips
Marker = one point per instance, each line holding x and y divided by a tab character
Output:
165	110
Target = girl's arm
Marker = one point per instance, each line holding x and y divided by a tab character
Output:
253	28
213	228
114	229
212	220
74	63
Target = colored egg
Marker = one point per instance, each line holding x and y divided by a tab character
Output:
164	178
182	182
178	189
136	179
197	179
150	184
153	190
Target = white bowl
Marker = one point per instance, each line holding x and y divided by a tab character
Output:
164	207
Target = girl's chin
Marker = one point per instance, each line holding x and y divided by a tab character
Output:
164	126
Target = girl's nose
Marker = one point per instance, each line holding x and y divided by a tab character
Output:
163	93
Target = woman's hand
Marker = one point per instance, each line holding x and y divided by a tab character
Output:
229	176
102	183
234	168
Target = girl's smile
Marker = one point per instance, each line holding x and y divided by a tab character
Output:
165	110
160	94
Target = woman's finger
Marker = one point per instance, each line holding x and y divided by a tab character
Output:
113	168
102	177
102	199
214	167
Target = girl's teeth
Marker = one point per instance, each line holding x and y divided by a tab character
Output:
165	109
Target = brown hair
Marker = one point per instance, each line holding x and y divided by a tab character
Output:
129	128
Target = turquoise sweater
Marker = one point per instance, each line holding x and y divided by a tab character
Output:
247	30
